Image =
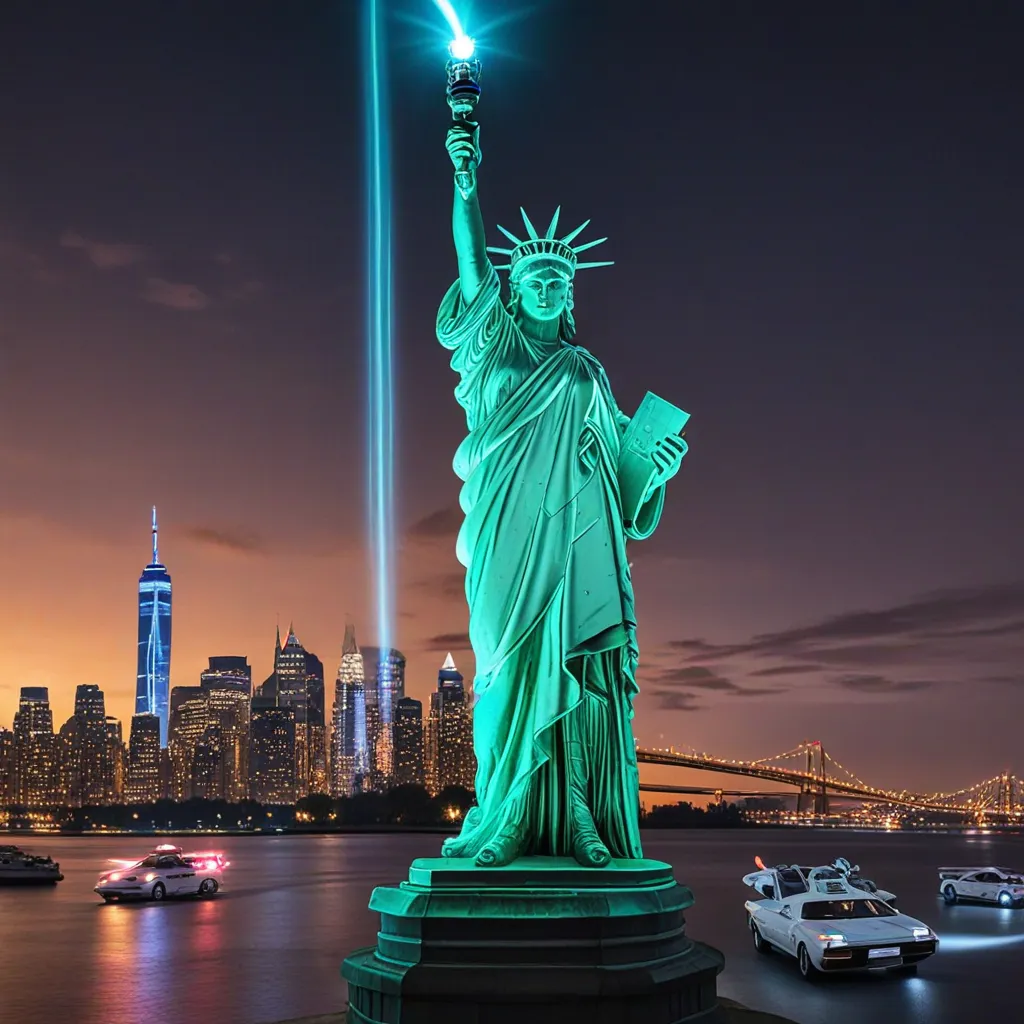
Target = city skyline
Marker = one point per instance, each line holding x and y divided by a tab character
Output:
828	282
232	742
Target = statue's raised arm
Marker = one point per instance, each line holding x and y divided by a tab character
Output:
463	146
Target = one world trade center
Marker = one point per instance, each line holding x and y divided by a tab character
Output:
152	686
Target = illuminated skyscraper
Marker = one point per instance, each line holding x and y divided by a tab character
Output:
114	763
228	672
316	727
271	752
228	687
450	758
143	783
385	686
190	713
6	766
35	769
153	678
91	738
67	757
408	735
349	761
293	692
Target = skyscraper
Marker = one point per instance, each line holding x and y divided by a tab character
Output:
6	766
114	759
189	718
34	749
153	677
385	685
272	752
228	687
292	692
349	760
91	738
408	734
229	672
143	784
450	759
67	758
316	726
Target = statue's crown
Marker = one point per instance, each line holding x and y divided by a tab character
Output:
546	246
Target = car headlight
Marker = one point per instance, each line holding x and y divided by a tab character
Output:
150	877
923	933
832	940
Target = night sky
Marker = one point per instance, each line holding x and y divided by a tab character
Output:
817	215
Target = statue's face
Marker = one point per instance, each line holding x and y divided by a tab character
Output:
543	293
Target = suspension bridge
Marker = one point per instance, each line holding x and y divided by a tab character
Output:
817	776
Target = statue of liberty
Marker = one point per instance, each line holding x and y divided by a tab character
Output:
548	510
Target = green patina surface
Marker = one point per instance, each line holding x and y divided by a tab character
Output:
533	888
555	483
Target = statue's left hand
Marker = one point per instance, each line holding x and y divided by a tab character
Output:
667	458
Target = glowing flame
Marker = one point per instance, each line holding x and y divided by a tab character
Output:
461	48
759	863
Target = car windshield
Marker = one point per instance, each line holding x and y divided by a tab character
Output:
845	910
149	862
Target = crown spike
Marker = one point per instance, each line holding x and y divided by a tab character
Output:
572	234
550	233
508	234
529	224
587	266
498	248
589	245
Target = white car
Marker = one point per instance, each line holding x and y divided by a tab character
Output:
850	872
167	871
829	925
986	885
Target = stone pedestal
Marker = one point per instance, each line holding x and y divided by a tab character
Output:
542	941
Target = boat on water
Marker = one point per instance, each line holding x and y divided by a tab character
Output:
20	868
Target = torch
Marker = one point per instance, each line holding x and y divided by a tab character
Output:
463	71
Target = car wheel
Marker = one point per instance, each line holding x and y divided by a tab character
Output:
807	968
159	892
949	894
208	887
759	943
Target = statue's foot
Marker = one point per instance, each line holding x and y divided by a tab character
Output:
591	853
501	850
587	847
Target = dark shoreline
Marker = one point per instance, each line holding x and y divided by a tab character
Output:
8	835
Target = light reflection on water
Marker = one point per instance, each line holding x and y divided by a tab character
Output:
268	948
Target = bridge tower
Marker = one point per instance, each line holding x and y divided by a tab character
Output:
1006	794
813	795
821	802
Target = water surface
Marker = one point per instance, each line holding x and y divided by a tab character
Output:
268	947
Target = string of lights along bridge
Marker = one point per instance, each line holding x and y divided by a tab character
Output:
817	775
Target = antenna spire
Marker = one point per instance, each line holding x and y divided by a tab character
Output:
156	553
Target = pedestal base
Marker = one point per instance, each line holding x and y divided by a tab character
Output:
542	941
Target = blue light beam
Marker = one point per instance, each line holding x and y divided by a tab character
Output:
380	453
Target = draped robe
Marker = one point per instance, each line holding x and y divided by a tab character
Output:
548	584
